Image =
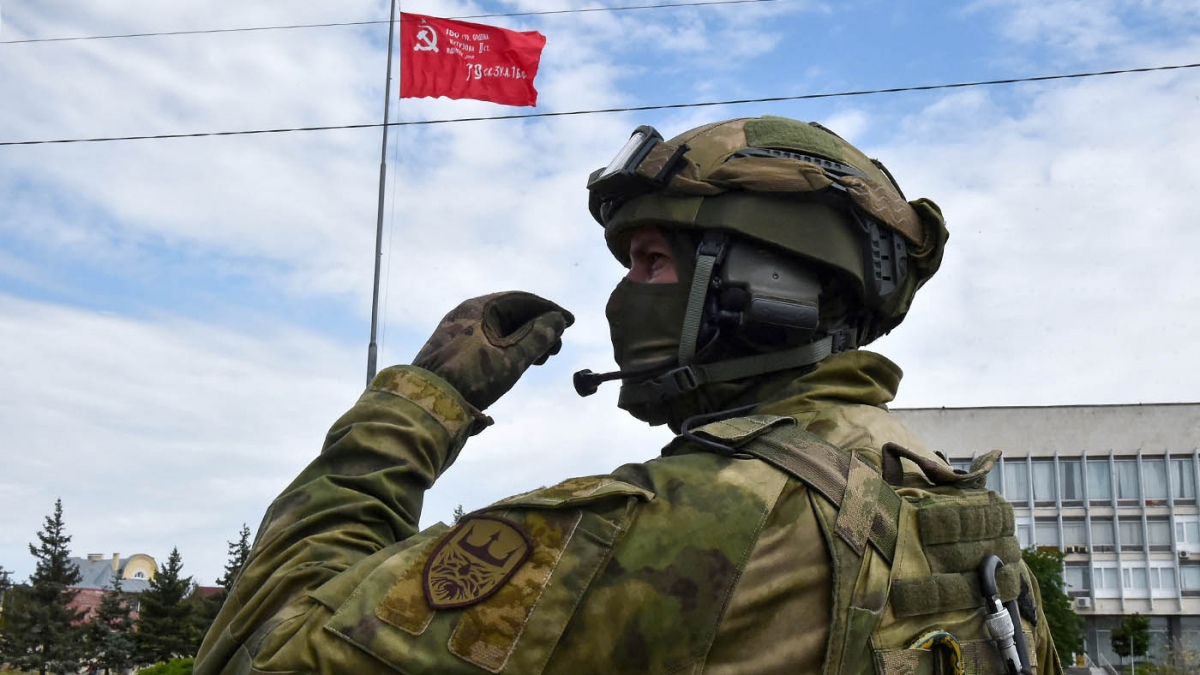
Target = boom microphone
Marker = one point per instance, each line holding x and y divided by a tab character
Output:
586	382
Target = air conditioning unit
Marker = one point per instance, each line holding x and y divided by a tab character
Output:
1083	603
1184	555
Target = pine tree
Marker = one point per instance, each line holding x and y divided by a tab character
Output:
207	608
458	514
239	551
5	585
41	632
167	626
109	635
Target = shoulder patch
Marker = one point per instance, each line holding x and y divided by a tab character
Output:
474	560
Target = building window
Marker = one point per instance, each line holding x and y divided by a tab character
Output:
1070	487
1133	578
1016	482
1162	578
1099	481
139	575
1126	479
1154	477
1189	578
1102	534
993	479
1105	578
1158	534
1024	535
1043	482
1187	531
1183	479
1131	535
1074	534
1046	532
1078	580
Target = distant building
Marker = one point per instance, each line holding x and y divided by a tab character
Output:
1112	486
98	572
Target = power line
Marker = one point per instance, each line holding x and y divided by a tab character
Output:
600	111
372	23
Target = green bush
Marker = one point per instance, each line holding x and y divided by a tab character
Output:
172	667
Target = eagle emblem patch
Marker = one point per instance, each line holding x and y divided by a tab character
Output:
474	561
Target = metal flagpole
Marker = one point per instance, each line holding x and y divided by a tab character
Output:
372	348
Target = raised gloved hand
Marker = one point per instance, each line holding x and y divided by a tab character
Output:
484	345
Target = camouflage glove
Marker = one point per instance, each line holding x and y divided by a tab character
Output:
484	345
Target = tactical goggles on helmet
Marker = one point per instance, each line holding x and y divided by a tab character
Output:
629	174
646	163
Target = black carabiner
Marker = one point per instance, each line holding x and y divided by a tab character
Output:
1003	621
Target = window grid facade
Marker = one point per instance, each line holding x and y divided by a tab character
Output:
1128	523
1113	486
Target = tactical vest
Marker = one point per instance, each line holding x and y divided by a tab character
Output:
906	547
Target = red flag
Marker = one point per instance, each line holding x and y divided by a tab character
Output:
457	59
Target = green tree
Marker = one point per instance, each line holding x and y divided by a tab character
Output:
41	631
5	585
458	513
238	552
6	597
172	667
167	626
109	635
208	606
1066	628
1131	637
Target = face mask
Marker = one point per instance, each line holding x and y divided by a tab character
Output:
645	322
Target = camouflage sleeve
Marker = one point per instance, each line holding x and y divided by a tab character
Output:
354	505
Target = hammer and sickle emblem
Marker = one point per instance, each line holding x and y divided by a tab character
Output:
426	40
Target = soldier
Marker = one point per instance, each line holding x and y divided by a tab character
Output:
791	526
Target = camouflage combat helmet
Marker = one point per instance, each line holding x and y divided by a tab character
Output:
803	247
789	184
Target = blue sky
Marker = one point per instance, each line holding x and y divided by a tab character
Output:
180	320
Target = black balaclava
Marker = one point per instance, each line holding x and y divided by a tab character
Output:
646	322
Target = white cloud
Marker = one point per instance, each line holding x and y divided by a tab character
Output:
1085	30
154	431
1066	280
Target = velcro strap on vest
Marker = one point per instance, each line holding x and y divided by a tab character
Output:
941	593
979	658
736	431
868	508
935	472
955	522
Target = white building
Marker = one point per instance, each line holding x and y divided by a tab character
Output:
1113	486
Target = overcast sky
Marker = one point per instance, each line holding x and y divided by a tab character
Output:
181	320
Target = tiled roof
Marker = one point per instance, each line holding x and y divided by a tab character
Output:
99	574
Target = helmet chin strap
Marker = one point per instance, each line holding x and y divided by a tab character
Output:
708	255
689	375
659	383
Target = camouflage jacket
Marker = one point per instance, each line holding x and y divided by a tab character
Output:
692	562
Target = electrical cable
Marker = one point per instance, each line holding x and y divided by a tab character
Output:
249	29
600	111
